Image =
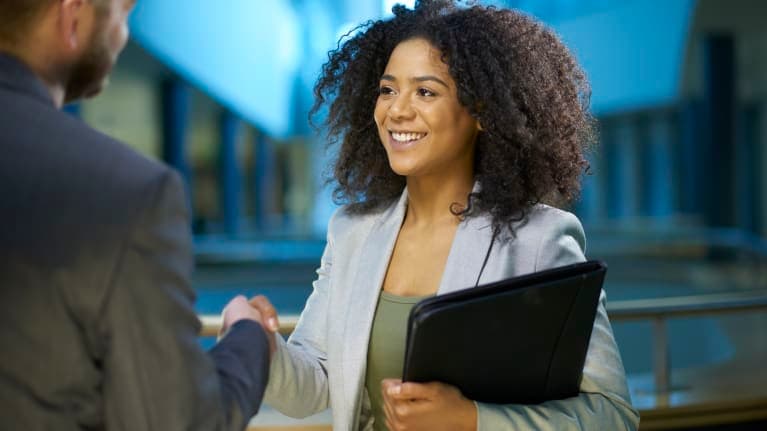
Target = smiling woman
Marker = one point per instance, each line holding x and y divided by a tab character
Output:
422	125
455	125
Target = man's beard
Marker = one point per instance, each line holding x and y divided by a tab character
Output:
89	74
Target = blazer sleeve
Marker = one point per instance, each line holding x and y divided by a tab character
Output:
604	402
156	376
298	380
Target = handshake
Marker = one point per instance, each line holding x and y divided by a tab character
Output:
258	309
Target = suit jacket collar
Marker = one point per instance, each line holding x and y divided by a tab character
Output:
17	76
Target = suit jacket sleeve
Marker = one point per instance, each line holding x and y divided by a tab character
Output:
156	377
604	402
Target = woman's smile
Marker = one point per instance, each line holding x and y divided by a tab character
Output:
403	140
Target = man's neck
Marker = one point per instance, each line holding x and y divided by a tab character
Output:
43	69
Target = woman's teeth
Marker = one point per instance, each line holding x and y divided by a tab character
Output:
407	137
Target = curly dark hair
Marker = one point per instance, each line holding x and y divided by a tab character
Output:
512	74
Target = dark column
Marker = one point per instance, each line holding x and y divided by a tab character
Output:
621	159
264	180
749	158
718	179
658	182
690	158
589	206
230	177
175	119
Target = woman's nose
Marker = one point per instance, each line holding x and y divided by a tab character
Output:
400	109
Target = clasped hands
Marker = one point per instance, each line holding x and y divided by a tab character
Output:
258	309
408	406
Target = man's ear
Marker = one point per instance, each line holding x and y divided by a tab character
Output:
73	23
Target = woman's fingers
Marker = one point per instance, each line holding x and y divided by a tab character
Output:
267	310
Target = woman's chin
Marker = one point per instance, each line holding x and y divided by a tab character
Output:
403	169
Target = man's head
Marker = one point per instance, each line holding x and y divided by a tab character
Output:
71	44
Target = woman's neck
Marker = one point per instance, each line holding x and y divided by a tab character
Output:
431	198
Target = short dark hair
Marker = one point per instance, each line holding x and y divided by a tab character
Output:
17	15
513	75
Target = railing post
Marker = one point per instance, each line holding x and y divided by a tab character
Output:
661	358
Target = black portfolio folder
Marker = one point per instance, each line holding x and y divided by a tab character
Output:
521	340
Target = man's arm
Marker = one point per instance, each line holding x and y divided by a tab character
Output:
156	377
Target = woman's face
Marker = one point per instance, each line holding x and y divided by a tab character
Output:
423	127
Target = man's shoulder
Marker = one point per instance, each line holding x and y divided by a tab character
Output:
96	145
71	144
66	161
45	130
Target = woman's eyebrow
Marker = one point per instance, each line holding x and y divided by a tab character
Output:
430	78
417	79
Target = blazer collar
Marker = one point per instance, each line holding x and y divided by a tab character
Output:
16	76
373	261
464	261
471	245
467	254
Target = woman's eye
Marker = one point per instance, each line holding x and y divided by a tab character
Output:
385	91
425	92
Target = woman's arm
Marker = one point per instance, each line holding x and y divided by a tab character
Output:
604	401
602	404
298	380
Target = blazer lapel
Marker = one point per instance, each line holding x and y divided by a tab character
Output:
467	254
373	262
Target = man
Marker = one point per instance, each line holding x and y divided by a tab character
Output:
97	326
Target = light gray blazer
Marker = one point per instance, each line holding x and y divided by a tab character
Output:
323	363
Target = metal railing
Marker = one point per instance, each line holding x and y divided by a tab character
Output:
211	324
659	310
656	310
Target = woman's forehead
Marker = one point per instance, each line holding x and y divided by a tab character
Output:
415	57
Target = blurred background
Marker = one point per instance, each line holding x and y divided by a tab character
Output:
675	202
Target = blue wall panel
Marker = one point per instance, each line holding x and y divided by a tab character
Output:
633	53
245	53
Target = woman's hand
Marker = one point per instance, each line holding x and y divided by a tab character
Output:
269	313
258	309
426	406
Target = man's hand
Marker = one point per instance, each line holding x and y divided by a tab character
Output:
238	309
426	406
258	309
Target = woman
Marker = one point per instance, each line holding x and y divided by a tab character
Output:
455	125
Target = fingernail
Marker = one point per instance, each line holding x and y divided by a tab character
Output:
394	390
273	324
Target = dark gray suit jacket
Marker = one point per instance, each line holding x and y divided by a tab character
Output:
97	326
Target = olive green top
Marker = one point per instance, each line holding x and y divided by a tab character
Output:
386	350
